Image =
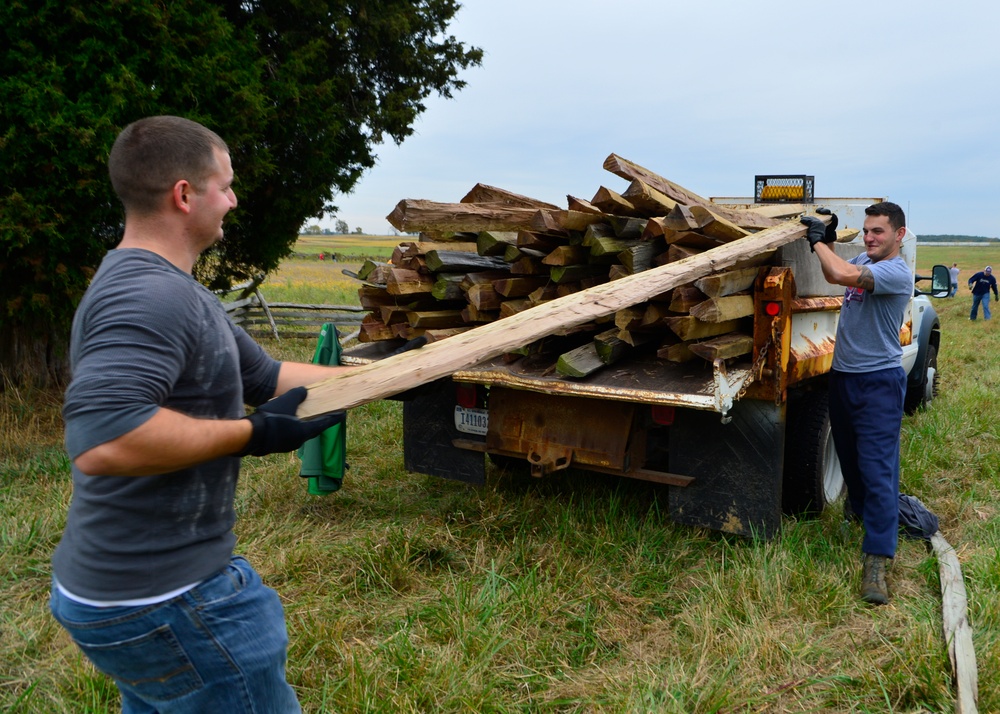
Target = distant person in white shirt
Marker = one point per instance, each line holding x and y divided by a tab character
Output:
954	279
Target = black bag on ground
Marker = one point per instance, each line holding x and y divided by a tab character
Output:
915	520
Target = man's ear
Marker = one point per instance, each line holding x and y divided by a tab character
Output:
180	195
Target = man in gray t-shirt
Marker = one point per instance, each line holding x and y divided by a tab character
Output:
867	380
144	578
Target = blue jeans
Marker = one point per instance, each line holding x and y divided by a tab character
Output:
219	647
985	300
866	416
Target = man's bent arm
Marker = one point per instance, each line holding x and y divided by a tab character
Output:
838	271
167	442
302	374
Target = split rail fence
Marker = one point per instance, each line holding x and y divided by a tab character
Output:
284	319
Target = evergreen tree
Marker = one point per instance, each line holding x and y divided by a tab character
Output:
303	93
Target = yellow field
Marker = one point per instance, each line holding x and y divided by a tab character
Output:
349	244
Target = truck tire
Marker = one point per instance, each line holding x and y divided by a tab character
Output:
812	479
921	390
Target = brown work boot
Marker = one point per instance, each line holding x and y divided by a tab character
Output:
873	587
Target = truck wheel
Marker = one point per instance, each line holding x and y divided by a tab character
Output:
812	479
922	390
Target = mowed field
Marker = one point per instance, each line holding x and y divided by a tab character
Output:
349	244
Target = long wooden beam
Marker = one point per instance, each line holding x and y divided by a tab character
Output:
632	172
398	373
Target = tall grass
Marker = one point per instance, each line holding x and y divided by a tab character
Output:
405	593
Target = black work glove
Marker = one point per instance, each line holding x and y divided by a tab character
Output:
277	430
410	345
831	227
818	231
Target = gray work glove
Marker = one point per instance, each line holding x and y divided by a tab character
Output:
818	231
277	430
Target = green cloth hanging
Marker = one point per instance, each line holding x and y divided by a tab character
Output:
324	458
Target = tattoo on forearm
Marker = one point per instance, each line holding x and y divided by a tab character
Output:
866	281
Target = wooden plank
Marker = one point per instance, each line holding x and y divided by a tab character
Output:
630	318
546	242
639	256
549	221
579	362
612	346
495	242
566	255
455	261
519	286
408	282
723	309
582	205
632	171
509	308
612	202
470	313
678	352
610	247
482	193
681	219
515	252
955	623
433	319
727	346
684	297
412	215
648	200
484	296
572	273
676	252
448	286
527	265
693	239
727	283
401	372
657	227
617	271
716	226
691	328
544	294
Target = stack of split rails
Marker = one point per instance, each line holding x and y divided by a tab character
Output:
495	253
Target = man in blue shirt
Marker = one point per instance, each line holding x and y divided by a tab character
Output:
867	380
981	283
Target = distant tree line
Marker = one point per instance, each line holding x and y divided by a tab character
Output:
955	239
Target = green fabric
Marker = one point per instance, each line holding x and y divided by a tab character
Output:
324	457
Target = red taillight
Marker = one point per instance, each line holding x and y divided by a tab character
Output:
772	308
662	414
467	396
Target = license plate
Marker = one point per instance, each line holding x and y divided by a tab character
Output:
472	421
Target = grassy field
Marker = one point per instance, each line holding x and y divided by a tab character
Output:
406	593
349	245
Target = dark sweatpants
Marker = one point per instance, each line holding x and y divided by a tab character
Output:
866	414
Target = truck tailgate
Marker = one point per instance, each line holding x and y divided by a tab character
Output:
643	379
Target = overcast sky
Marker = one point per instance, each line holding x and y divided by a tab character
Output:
882	98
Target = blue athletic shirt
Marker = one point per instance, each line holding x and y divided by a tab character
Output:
868	329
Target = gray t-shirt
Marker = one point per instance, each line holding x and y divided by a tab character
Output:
147	335
868	329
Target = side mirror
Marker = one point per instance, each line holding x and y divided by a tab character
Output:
940	282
